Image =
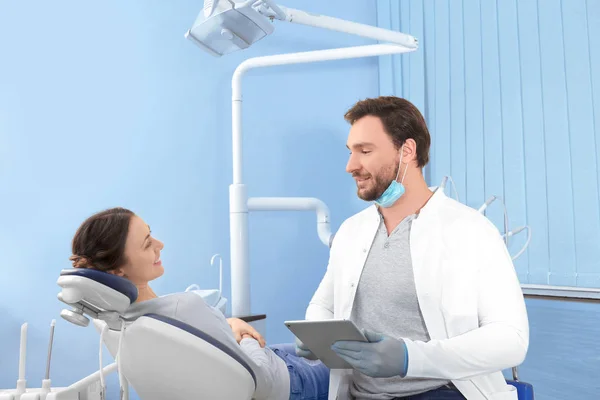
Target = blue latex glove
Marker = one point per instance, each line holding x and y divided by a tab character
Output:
381	357
303	351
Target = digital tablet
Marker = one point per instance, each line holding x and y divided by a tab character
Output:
318	336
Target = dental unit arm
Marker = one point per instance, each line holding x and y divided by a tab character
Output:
507	233
297	204
225	26
213	297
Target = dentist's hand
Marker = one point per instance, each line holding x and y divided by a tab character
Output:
381	357
242	329
303	351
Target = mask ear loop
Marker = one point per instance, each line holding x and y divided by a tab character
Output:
399	166
403	175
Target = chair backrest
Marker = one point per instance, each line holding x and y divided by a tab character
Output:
163	358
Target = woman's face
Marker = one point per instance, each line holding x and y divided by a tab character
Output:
142	253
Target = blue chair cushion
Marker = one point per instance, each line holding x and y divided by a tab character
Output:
117	283
207	338
525	390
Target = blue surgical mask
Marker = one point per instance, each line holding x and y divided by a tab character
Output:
395	190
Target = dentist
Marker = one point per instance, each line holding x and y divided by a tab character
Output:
428	279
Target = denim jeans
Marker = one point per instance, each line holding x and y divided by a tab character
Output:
309	380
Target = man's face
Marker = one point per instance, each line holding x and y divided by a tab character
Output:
373	160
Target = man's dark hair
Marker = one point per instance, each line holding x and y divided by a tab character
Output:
401	120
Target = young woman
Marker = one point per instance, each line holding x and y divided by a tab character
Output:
119	242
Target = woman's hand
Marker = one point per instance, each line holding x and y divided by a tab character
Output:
242	329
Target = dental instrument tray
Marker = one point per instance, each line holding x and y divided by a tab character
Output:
318	336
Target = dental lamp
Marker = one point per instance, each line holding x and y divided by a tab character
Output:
226	26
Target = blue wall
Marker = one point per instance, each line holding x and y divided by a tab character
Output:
106	104
511	92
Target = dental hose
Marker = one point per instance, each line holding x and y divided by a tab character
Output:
124	392
454	188
102	382
516	231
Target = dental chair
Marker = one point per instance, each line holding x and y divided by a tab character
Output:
161	358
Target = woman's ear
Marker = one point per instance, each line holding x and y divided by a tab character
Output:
118	272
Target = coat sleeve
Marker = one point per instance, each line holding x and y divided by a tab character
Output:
502	338
321	304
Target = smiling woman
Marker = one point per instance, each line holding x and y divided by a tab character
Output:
119	242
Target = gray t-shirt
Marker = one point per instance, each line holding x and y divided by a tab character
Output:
386	302
271	371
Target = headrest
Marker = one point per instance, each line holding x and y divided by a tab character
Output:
95	291
115	282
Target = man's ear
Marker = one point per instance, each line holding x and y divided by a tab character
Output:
410	151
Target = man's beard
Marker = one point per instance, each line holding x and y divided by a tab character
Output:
378	183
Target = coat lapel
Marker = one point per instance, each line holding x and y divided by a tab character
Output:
361	248
427	252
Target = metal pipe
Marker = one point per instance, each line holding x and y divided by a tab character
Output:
297	204
238	198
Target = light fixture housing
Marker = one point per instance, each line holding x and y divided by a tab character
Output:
223	27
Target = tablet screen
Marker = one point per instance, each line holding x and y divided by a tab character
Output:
319	336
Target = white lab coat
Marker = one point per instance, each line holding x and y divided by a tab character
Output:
468	292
